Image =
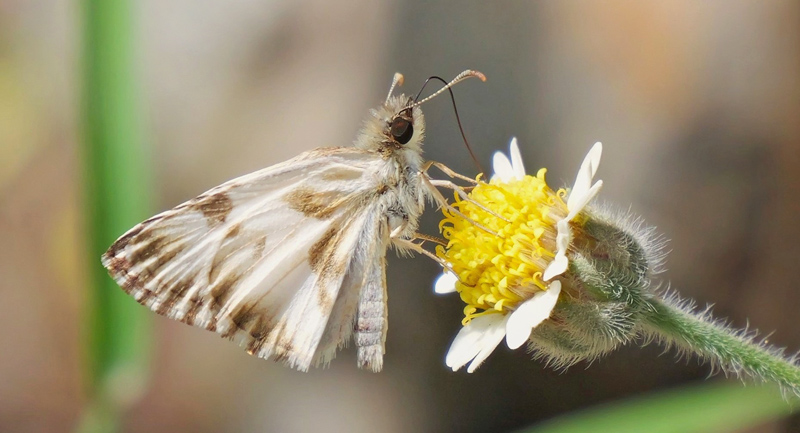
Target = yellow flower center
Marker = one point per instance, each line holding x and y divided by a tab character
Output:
497	271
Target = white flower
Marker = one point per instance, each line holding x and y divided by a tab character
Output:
478	338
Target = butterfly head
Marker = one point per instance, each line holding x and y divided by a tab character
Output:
401	128
397	127
394	128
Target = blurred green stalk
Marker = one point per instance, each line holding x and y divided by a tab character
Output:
116	197
717	408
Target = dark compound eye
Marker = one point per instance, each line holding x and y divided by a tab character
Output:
401	130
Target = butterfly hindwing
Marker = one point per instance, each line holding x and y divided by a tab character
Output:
266	259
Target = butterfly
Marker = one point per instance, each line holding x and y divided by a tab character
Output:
289	261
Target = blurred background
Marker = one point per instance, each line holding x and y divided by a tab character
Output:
697	104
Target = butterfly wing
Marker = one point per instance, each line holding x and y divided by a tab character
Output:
277	260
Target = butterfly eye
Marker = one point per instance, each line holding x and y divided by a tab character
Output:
401	130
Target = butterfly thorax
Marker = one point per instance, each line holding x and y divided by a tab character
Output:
395	132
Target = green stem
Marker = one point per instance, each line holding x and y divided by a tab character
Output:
732	350
116	197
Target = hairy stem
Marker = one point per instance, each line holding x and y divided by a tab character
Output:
734	351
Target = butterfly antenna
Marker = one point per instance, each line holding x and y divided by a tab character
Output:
447	86
460	77
396	81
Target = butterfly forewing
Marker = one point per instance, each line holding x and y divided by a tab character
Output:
275	260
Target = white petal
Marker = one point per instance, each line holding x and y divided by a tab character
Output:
560	263
502	167
557	267
478	338
465	345
446	283
530	314
563	236
516	160
583	201
584	179
594	156
491	339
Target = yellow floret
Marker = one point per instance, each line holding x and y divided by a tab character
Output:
497	271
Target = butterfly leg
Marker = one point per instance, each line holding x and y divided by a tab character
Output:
442	202
410	245
461	191
465	197
450	185
448	171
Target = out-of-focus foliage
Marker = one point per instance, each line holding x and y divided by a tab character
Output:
690	409
116	182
